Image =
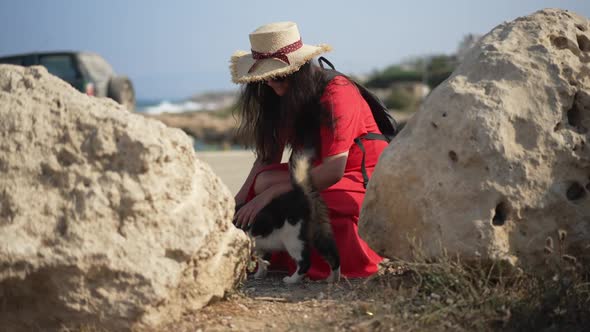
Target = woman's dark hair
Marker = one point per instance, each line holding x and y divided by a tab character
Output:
269	122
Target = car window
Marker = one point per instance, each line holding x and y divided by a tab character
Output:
60	65
12	61
96	66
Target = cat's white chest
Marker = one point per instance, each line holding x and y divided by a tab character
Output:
280	239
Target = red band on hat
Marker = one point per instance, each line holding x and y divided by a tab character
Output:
281	54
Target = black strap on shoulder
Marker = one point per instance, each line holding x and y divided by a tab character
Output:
386	123
379	116
359	142
322	60
375	136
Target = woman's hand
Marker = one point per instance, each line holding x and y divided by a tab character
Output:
246	214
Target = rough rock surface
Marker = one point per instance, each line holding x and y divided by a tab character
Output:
106	218
497	161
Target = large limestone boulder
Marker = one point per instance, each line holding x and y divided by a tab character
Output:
497	161
107	218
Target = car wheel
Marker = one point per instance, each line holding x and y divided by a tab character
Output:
121	91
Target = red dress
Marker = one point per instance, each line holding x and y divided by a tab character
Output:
352	118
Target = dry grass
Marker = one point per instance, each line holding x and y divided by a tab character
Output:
442	294
455	295
450	294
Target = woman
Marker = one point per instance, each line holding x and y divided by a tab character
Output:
288	101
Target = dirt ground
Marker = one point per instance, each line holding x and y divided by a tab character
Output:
436	296
270	305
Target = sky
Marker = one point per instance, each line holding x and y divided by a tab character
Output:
176	48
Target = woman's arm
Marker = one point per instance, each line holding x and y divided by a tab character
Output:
330	171
323	176
240	197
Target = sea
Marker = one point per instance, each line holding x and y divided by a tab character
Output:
157	106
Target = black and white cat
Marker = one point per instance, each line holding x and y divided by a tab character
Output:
295	222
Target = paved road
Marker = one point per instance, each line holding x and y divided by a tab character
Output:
231	166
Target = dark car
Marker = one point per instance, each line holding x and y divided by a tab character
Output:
87	72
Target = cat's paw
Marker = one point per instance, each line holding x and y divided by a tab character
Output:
334	276
262	269
293	279
260	274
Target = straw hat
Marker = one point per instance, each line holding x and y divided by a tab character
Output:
276	50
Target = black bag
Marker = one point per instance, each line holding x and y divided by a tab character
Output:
386	123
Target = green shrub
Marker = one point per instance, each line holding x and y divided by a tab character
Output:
431	69
393	74
402	100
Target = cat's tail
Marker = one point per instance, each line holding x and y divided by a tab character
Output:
301	181
320	229
301	173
